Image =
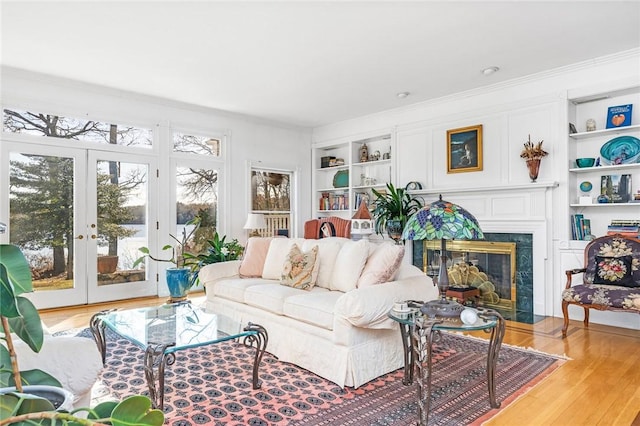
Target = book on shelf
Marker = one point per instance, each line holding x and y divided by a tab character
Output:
626	228
616	188
619	116
577	226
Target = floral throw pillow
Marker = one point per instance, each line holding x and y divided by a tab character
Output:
300	268
614	271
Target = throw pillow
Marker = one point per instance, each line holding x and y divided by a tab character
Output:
349	264
328	250
254	256
278	250
382	264
614	271
299	269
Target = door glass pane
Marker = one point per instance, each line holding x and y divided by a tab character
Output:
121	223
41	204
197	195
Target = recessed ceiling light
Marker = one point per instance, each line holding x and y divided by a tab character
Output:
490	70
402	95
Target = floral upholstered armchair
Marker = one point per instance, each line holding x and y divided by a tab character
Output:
611	278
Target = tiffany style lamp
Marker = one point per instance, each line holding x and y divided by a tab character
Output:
442	220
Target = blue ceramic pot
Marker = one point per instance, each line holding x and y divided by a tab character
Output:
178	282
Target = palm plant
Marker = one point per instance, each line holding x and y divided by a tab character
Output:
396	204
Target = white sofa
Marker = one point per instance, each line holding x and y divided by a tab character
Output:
339	329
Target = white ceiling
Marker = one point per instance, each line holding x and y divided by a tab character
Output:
308	63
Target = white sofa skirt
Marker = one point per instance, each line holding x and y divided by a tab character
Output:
372	353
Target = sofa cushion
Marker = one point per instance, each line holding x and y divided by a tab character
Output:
269	297
315	308
382	264
349	264
234	288
300	270
254	257
278	251
613	270
328	249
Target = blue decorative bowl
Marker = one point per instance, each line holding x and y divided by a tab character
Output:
621	150
586	186
585	162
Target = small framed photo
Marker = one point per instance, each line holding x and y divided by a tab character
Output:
464	149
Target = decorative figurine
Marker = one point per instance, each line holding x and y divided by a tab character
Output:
364	153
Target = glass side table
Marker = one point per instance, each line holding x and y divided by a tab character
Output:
419	332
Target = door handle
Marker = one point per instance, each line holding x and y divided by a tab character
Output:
80	237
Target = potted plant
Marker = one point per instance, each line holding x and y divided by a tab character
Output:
20	319
218	250
179	277
392	210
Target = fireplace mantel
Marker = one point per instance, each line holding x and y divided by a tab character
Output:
501	188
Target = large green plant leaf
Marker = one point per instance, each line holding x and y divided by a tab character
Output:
8	305
18	269
28	326
136	410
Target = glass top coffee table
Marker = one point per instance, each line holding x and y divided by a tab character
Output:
419	332
164	330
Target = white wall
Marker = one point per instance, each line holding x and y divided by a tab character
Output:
250	139
536	105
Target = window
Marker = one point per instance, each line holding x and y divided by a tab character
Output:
271	195
204	145
56	126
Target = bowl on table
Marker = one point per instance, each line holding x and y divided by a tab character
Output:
585	162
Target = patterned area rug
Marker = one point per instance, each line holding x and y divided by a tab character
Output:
212	386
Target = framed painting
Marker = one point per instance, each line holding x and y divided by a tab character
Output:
464	149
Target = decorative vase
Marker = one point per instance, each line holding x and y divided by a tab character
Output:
533	165
178	282
394	230
61	399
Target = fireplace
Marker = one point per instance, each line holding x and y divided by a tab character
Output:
504	266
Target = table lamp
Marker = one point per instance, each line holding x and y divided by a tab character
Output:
442	220
254	222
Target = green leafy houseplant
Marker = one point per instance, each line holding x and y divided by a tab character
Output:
19	315
217	250
178	251
394	204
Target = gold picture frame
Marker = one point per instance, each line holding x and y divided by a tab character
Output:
464	149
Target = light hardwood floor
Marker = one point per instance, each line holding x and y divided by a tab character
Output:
600	385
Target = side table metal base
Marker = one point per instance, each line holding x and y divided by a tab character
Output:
423	333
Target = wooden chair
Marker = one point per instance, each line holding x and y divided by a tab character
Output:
339	226
610	281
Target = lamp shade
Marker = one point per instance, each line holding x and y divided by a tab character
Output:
442	220
255	221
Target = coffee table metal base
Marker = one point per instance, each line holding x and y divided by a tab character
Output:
158	356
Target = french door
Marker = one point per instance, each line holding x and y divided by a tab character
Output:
74	211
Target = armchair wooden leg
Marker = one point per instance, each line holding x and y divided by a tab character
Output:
586	317
565	313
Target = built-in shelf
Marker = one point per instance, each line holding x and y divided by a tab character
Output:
595	133
605	168
606	205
